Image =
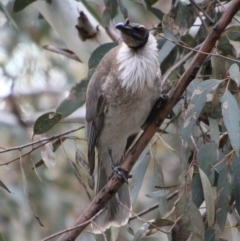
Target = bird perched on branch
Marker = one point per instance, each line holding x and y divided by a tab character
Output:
120	96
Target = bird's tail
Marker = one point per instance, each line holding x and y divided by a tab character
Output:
115	214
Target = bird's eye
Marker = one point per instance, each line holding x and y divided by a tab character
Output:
141	29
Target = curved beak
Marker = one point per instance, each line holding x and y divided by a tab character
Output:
124	28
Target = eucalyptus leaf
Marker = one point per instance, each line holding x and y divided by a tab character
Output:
138	173
123	9
195	106
210	235
223	196
231	119
236	181
207	157
234	73
209	198
26	192
213	129
75	99
165	51
48	155
197	190
4	186
45	122
21	4
190	224
98	54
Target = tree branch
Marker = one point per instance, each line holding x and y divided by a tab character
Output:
174	96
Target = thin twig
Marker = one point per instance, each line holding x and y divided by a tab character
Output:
47	139
200	9
71	229
198	51
178	64
170	196
201	18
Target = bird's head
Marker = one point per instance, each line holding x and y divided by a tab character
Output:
134	35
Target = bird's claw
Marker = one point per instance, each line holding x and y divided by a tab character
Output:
118	171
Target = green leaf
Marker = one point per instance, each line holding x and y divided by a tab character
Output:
109	12
45	122
123	9
21	4
138	173
25	190
209	198
197	191
106	18
207	157
48	155
190	225
4	186
210	235
55	145
196	104
98	54
234	73
236	181
223	196
150	228
165	51
214	129
158	13
231	119
75	99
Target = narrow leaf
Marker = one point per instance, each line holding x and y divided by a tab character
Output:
234	73
236	181
207	157
98	53
78	176
223	196
165	51
158	194
214	129
25	190
45	122
75	99
138	173
21	4
210	235
196	104
55	145
123	9
231	119
197	191
190	224
48	155
209	198
4	186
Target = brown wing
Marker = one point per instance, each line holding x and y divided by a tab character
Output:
95	105
96	102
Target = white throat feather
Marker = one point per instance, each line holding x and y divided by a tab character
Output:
138	68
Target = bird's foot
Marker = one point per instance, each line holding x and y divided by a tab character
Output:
162	100
118	171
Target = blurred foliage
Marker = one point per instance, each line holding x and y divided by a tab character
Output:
192	182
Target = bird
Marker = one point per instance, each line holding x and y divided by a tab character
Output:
119	97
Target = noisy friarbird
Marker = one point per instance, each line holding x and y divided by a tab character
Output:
120	96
